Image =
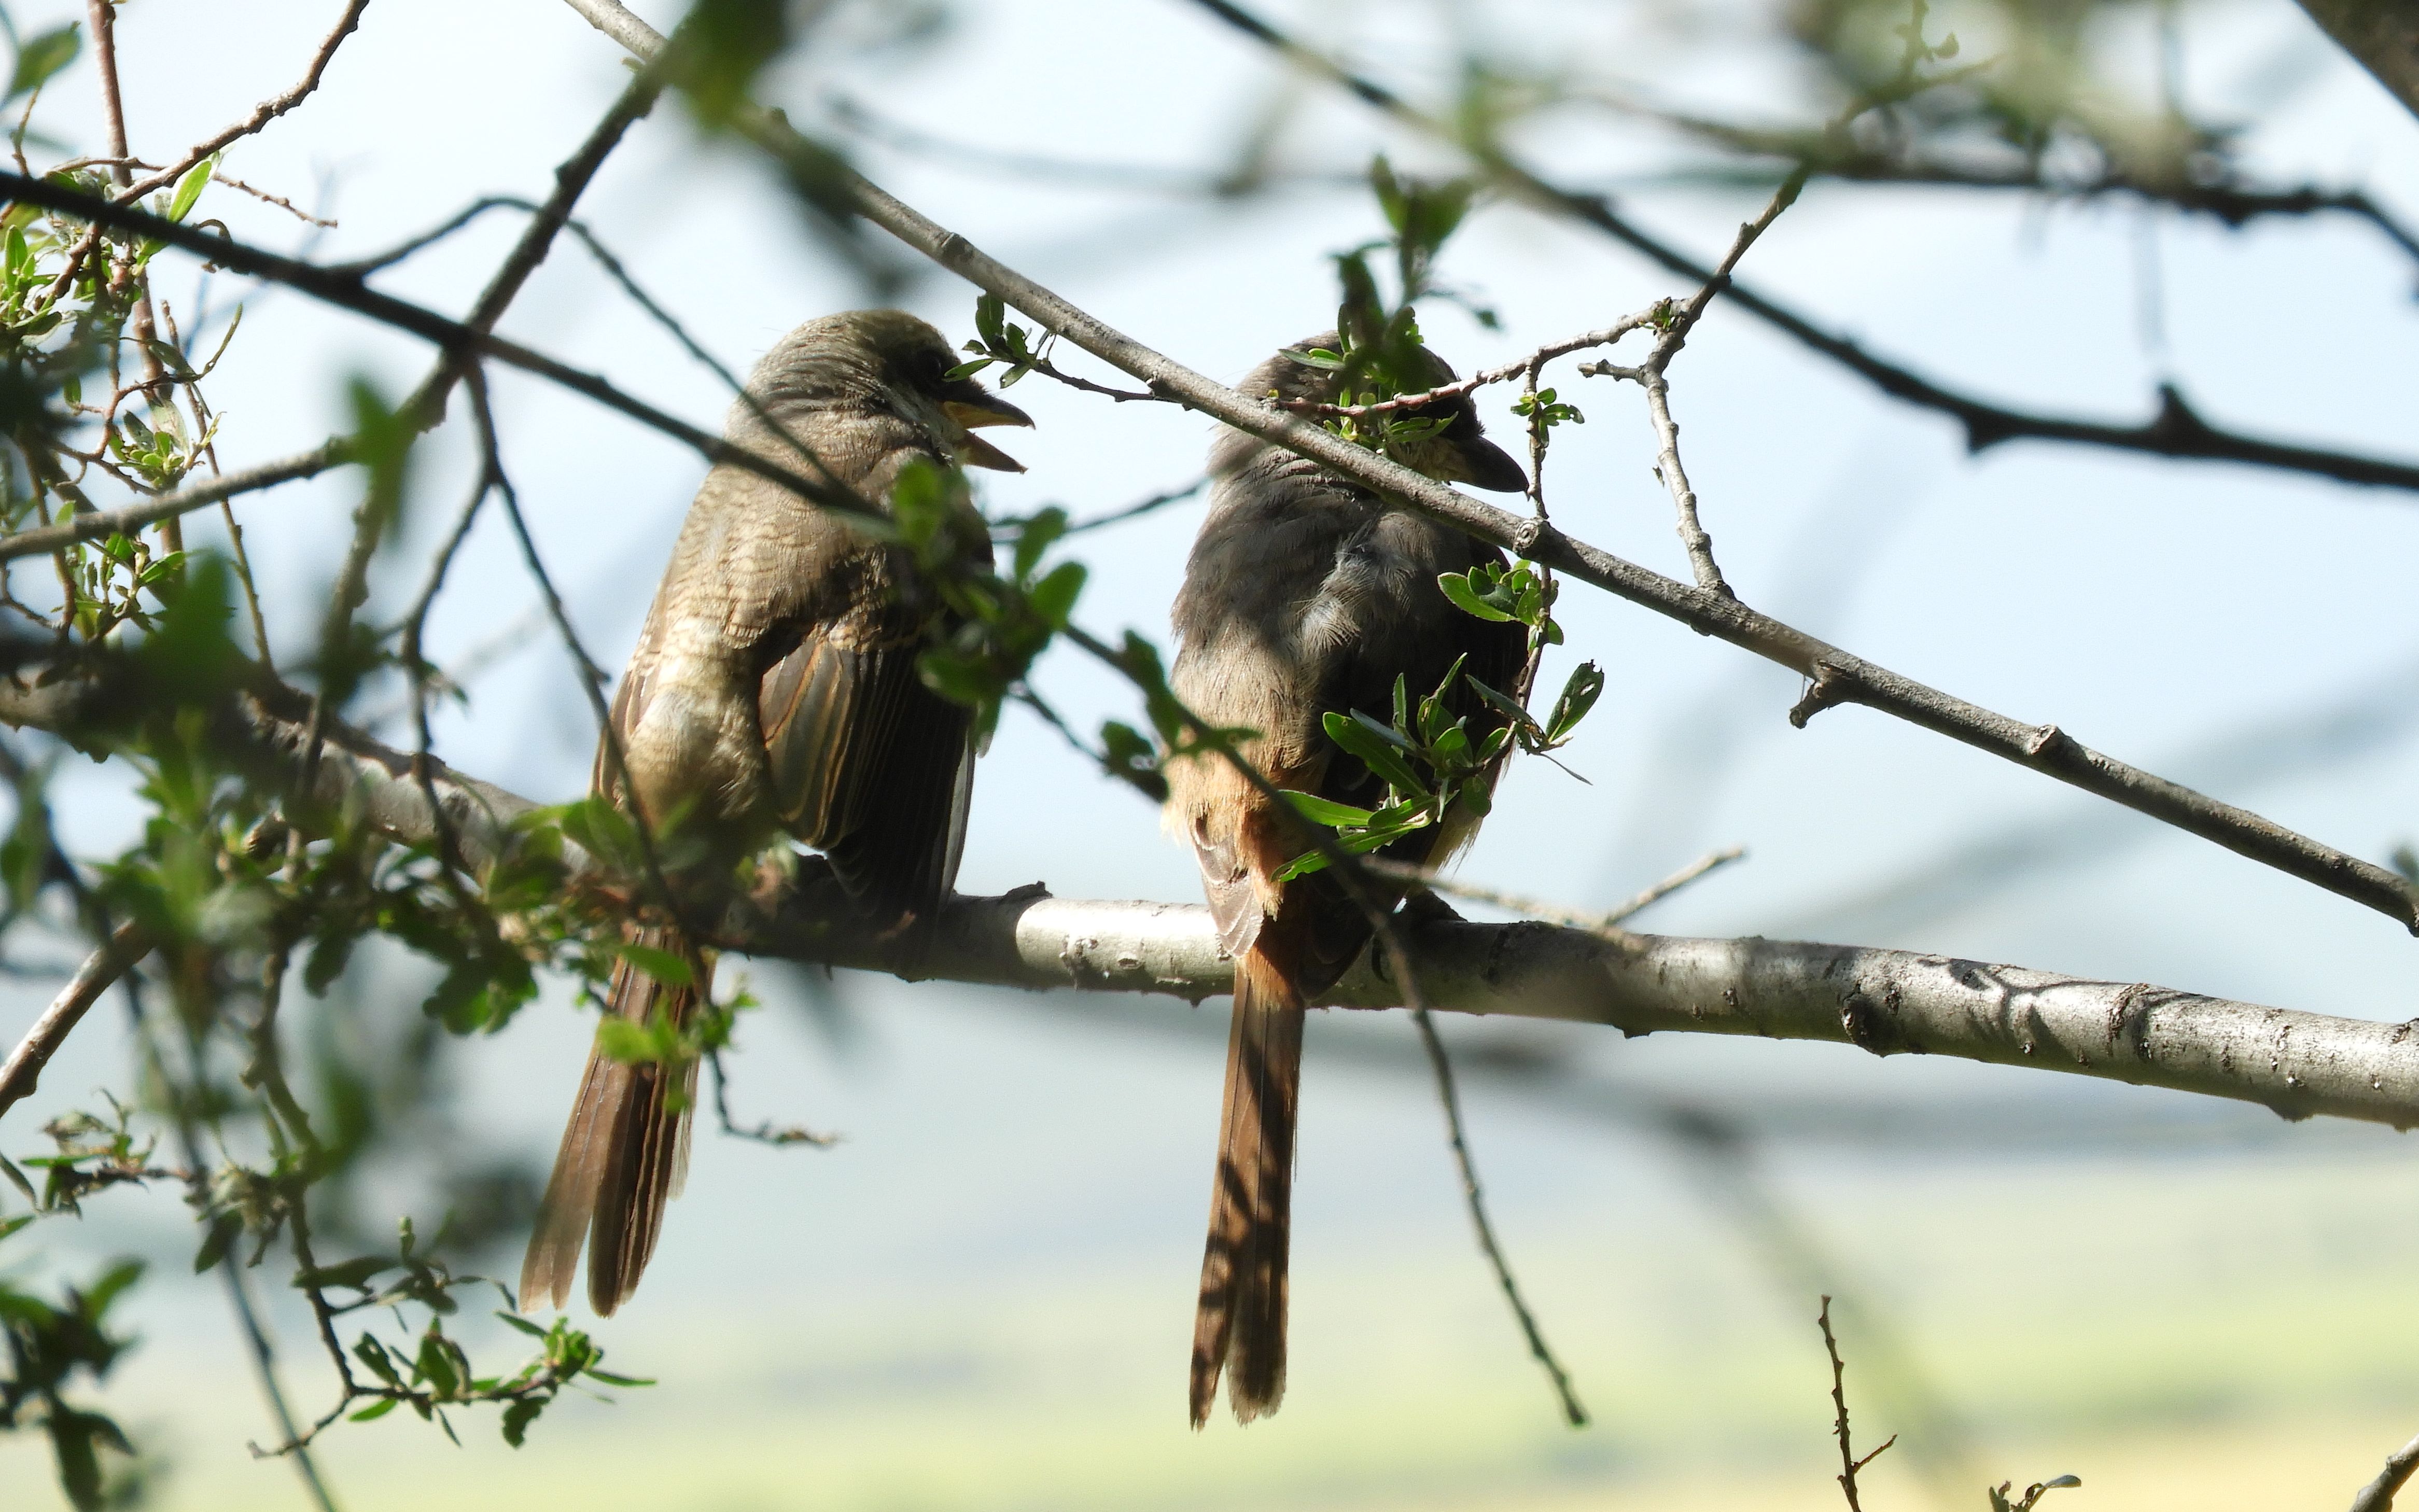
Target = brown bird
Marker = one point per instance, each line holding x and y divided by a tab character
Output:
1304	593
773	688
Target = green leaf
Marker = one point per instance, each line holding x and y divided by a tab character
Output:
370	1353
221	1238
38	60
353	1273
188	189
1457	587
518	1416
665	968
113	1282
967	370
516	1320
1054	598
1320	811
1379	748
611	1380
434	1363
1036	536
373	1410
1586	685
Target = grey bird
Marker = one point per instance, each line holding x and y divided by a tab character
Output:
773	688
1304	593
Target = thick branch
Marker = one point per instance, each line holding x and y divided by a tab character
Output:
1885	1002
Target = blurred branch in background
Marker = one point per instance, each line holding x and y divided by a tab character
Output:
2301	743
2175	430
2378	1495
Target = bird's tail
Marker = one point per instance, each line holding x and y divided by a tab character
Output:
625	1149
1241	1325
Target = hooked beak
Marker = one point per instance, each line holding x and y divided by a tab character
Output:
971	405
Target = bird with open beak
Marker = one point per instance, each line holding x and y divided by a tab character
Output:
773	688
1305	594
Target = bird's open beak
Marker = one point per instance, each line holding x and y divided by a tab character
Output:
977	408
971	405
1489	467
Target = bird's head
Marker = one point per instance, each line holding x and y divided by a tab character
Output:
889	359
1455	451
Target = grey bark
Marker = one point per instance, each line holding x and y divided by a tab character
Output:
1884	1002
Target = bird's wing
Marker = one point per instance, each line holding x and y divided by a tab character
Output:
868	764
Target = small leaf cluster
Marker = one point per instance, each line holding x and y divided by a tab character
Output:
108	584
1519	592
2000	1502
992	626
49	1347
434	1371
1429	759
1543	409
91	1155
1379	353
998	339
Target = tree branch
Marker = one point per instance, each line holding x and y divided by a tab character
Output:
2381	34
1884	1002
2043	748
2175	431
2378	1495
23	1068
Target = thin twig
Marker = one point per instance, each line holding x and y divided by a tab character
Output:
1488	377
2175	431
1572	1411
765	1133
262	114
1849	1463
1677	880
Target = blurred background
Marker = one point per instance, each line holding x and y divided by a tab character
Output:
980	1297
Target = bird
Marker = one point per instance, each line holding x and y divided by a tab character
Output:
1305	594
773	688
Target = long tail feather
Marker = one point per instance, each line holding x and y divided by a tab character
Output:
1239	1327
625	1151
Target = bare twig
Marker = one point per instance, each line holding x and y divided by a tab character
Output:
23	1069
1849	1463
1552	913
101	524
765	1131
262	114
1674	883
1434	1043
2378	1495
1526	367
1141	506
2176	431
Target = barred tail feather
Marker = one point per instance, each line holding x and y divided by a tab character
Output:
625	1151
1239	1327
